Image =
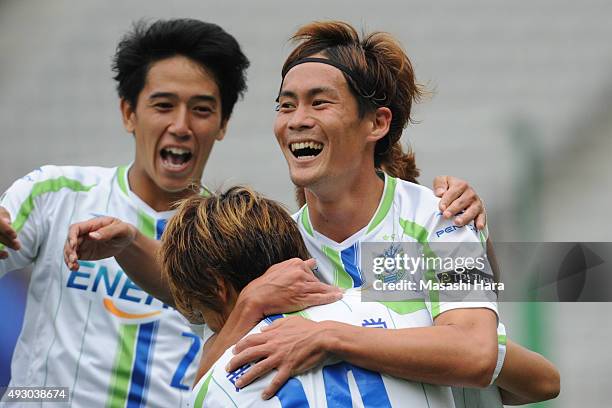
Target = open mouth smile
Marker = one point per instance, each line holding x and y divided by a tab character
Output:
175	158
305	150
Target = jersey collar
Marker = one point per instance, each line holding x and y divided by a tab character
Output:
384	206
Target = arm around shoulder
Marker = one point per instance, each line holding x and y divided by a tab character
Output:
461	349
527	377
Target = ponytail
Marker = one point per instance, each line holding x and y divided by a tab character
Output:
401	165
300	196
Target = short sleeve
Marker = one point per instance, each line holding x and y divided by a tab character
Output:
457	268
24	208
501	350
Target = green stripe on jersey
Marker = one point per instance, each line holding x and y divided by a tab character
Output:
199	401
40	188
501	339
385	204
483	239
405	307
341	278
420	234
146	224
122	179
205	192
302	313
416	231
122	368
305	219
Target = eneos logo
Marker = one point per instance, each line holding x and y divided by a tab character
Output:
96	278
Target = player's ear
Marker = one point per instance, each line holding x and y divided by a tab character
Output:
223	290
228	296
227	293
222	131
380	123
127	115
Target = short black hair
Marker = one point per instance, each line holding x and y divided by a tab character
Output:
206	44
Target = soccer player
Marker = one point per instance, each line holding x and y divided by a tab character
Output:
214	247
94	330
343	103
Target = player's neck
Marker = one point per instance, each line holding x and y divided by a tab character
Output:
341	211
156	198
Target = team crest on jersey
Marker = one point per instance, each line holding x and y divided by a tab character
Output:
396	273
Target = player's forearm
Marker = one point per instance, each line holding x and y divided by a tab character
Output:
509	398
241	320
437	355
139	261
527	377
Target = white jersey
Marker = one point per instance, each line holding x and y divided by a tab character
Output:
92	330
336	383
407	212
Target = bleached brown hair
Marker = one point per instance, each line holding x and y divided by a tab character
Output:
231	239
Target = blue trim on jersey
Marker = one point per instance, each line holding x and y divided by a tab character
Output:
370	384
337	392
371	387
292	395
160	226
142	363
349	260
271	318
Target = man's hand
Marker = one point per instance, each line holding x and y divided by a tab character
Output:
8	236
291	345
457	196
285	287
98	238
288	286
